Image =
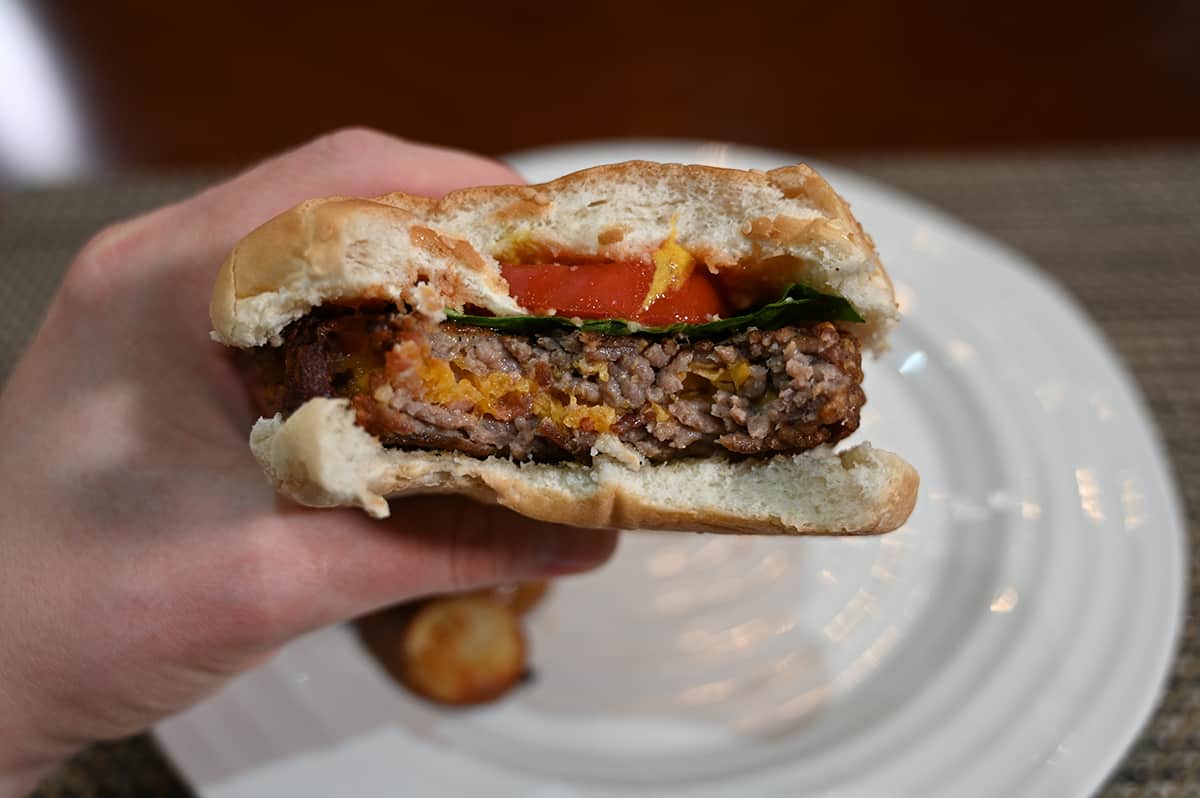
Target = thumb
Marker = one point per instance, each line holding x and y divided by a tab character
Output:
344	564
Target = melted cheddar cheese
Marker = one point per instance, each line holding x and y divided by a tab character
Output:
589	369
493	395
729	378
673	266
592	418
485	394
501	394
660	413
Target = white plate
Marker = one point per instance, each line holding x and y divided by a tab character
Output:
1011	640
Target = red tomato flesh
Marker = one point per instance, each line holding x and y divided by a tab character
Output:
611	291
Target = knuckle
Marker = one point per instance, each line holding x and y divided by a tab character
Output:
265	606
349	141
96	262
101	263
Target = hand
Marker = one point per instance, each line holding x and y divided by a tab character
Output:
144	558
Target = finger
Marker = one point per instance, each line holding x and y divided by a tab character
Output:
340	564
352	162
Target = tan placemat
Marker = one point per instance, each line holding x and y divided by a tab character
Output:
1121	230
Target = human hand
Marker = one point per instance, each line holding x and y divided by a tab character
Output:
144	559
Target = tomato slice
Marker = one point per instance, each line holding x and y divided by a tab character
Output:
611	291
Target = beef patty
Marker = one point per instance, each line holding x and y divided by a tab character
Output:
548	396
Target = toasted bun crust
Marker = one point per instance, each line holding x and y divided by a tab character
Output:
757	231
321	458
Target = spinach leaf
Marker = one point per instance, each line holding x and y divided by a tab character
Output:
799	303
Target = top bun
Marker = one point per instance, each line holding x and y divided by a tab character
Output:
758	232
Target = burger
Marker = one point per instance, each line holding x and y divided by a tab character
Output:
638	345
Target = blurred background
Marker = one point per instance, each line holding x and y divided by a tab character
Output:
133	84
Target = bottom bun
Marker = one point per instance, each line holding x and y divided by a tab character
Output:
319	457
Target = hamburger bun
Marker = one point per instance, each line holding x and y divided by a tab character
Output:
756	232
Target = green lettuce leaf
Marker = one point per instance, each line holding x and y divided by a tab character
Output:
798	304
